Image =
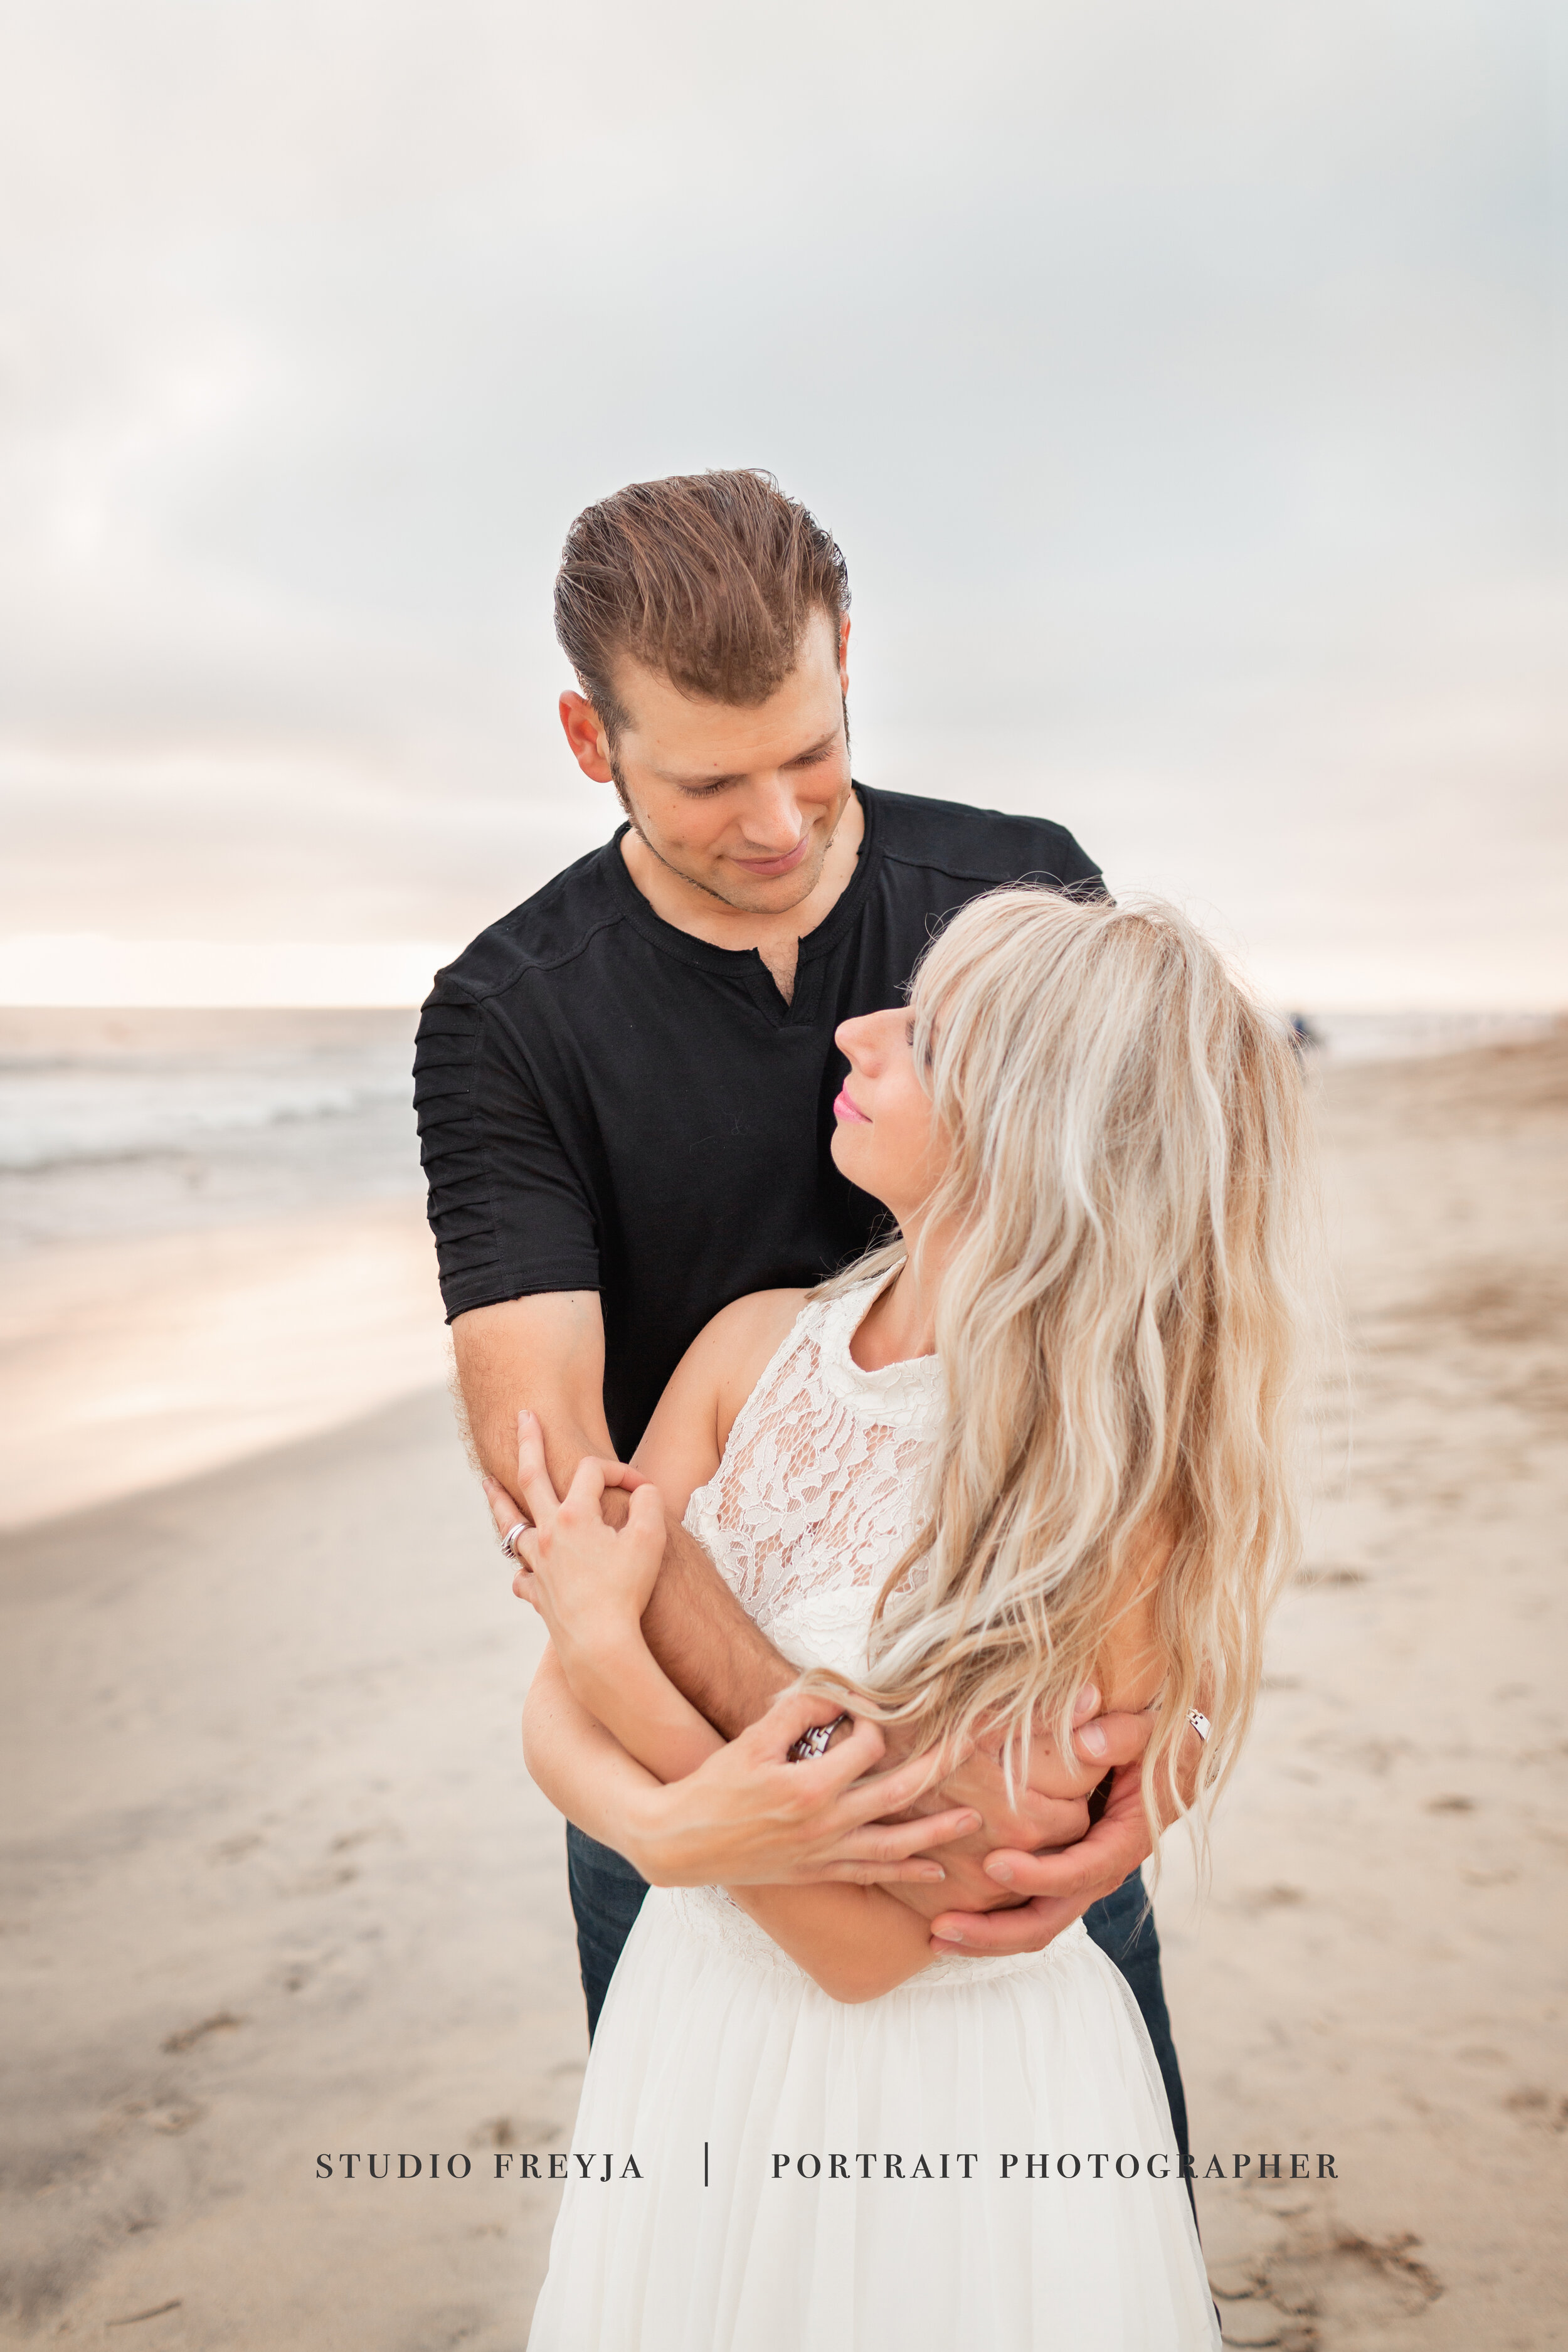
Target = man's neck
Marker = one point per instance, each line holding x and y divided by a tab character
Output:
776	937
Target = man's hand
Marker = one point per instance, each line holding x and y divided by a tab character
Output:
1059	1889
1048	1825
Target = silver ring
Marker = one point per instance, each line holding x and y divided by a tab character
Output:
512	1536
1200	1724
813	1742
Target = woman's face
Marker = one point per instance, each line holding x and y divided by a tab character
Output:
886	1137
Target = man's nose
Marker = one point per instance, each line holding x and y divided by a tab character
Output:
771	820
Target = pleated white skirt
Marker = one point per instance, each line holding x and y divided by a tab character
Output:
756	2167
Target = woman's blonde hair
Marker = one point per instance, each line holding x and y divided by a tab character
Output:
1126	1207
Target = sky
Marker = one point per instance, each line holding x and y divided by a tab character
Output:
1184	386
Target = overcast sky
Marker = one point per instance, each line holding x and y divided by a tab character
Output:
1183	383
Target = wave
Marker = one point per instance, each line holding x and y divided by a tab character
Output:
58	1118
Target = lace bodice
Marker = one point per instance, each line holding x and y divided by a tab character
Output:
818	1493
821	1483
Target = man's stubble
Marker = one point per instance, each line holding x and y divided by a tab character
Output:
696	881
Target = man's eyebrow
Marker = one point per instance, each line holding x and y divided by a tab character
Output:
707	784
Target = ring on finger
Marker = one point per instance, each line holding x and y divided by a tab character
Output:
509	1541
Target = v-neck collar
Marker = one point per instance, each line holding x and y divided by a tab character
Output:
746	964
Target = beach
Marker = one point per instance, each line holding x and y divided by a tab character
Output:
279	1891
1379	1971
212	1239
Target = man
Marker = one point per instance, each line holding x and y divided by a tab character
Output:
625	1092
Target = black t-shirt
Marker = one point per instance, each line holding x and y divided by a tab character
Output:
607	1104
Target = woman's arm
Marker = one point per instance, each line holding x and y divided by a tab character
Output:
747	1816
1132	1664
594	1583
855	1941
583	1769
590	1582
1056	1888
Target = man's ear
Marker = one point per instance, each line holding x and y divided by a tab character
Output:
585	732
844	656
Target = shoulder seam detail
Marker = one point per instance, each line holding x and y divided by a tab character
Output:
477	996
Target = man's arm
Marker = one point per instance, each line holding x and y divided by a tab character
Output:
547	1353
1052	1890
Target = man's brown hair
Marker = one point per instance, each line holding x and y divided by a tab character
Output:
709	579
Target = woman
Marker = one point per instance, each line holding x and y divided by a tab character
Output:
1039	1441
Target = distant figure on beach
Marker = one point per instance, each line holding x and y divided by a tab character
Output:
1303	1037
626	1091
1004	1455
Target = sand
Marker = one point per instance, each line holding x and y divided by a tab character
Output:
1380	1972
278	1886
126	1363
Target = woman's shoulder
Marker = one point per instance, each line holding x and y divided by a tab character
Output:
745	1337
744	1334
682	1444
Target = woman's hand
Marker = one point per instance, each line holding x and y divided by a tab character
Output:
749	1817
589	1582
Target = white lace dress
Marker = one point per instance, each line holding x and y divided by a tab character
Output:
964	2161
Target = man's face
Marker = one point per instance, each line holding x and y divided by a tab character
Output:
743	803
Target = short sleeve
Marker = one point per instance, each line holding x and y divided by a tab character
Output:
509	1215
1068	867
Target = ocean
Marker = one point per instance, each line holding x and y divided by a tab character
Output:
118	1124
213	1239
211	1243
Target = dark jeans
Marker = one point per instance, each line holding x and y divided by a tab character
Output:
606	1896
